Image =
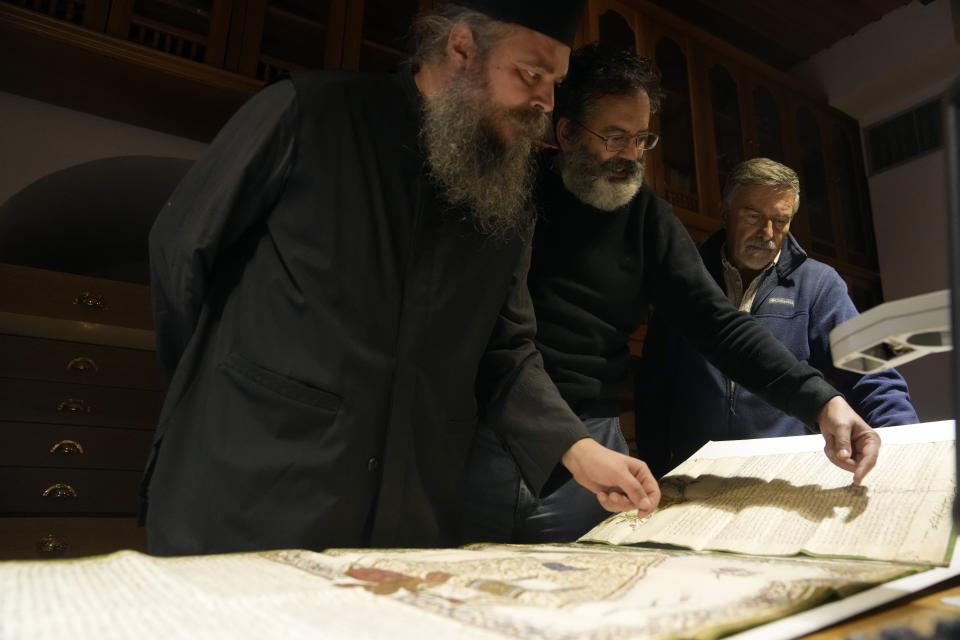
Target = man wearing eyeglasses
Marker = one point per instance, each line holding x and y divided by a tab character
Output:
605	250
765	272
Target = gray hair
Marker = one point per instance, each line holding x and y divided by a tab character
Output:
431	31
761	172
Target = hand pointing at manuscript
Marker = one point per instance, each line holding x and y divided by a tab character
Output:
621	483
849	442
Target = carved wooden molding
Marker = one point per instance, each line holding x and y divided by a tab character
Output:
68	65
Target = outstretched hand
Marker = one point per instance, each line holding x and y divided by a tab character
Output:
621	483
850	443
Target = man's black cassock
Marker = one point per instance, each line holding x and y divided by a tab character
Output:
325	317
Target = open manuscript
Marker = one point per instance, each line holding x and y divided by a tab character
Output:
799	503
771	498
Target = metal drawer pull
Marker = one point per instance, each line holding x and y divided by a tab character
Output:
91	300
67	448
50	545
60	491
83	364
74	405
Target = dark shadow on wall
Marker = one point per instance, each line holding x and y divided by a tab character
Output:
92	218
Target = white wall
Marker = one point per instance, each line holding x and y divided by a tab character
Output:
909	204
907	57
37	138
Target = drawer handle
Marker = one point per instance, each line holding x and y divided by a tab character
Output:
74	405
67	448
91	300
60	491
83	364
51	545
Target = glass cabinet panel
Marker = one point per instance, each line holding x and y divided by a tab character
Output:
676	127
814	199
294	37
177	27
386	23
616	33
191	15
89	13
766	114
727	126
853	198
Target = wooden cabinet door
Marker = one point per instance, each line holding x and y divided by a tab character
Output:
676	165
91	14
851	195
816	218
767	110
376	36
615	25
726	142
193	29
279	36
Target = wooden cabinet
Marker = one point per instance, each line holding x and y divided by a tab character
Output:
816	213
382	27
191	29
80	394
184	66
258	38
279	36
851	195
614	25
91	14
30	538
767	109
726	110
721	106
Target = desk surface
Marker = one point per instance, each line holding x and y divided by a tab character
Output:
919	613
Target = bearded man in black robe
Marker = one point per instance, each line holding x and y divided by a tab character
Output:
340	292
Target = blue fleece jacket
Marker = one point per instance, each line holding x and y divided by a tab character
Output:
684	401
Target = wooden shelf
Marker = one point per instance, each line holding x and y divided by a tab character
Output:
163	27
50	60
184	6
302	21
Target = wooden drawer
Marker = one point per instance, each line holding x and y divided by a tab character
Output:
42	538
58	491
61	403
67	296
78	363
29	444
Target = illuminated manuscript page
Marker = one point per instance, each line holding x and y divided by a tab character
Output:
563	592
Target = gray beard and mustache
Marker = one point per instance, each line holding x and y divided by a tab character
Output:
587	178
473	165
756	263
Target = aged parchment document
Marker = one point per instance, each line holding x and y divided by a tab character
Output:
792	503
559	592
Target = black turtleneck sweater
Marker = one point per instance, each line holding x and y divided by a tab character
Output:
593	278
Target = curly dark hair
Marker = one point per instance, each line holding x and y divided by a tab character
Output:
596	71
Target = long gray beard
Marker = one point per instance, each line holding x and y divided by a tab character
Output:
474	166
586	177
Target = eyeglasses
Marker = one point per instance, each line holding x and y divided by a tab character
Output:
644	141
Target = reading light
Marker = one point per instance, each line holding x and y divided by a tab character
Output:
893	333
